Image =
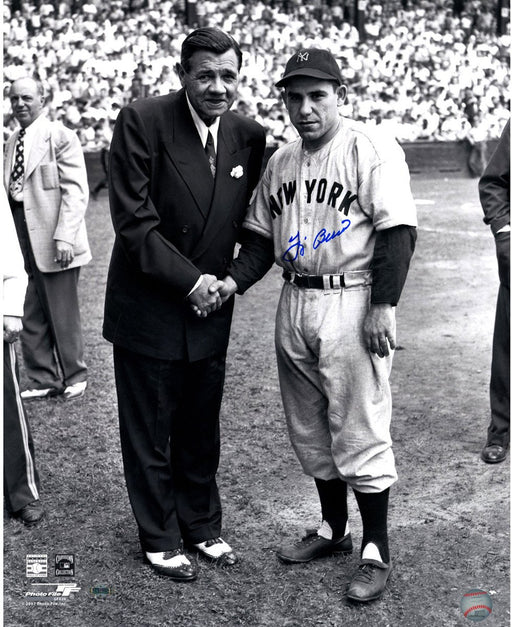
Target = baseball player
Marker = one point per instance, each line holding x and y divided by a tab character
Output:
334	209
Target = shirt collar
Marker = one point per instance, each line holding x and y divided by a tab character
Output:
201	127
31	129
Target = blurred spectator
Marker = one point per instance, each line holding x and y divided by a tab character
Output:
477	137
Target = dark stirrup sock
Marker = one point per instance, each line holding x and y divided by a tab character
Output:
333	499
374	513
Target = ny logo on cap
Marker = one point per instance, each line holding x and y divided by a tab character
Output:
302	56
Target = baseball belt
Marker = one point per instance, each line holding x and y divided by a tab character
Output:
349	279
321	282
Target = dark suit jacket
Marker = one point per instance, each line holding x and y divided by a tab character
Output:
172	224
494	186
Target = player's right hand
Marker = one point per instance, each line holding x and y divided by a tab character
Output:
226	288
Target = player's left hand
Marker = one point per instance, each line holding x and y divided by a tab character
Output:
379	329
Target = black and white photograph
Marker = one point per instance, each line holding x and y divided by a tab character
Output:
255	260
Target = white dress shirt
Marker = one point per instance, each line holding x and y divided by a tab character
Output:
30	133
201	127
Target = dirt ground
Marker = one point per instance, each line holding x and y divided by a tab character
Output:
449	515
450	511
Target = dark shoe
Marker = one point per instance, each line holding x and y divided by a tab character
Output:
313	546
31	513
369	581
217	551
172	564
494	453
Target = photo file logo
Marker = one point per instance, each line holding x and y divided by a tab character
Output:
60	590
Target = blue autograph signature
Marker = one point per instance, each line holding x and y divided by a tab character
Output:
298	247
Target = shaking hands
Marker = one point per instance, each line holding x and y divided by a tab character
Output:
211	294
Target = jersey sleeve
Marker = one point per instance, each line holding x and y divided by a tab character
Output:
254	260
392	255
384	185
258	217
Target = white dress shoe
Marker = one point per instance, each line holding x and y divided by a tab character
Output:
34	395
172	564
75	390
216	550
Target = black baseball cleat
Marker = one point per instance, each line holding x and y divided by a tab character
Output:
369	581
312	547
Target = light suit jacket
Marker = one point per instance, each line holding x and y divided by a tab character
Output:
55	193
12	267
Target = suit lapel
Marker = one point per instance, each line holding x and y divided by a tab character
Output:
187	153
39	148
227	187
9	154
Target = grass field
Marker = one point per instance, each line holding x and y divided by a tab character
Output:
449	517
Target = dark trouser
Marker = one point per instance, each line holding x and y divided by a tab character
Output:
21	481
51	340
169	426
498	432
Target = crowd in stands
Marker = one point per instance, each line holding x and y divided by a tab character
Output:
424	69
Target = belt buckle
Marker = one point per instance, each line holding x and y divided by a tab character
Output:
332	283
337	282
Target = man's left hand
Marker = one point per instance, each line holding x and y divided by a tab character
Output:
63	253
379	329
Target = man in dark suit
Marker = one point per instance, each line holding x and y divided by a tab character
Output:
182	170
494	188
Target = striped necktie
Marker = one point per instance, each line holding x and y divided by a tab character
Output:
210	153
18	170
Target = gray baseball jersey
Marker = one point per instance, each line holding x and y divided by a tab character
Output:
322	208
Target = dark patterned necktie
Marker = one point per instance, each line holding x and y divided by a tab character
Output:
18	170
210	153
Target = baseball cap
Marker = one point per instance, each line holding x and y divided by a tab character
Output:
312	62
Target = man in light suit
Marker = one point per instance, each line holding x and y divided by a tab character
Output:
182	170
45	176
